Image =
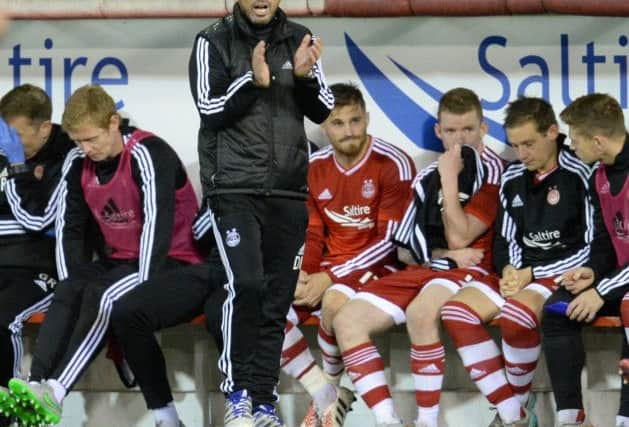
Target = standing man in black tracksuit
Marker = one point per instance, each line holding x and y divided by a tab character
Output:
254	75
33	152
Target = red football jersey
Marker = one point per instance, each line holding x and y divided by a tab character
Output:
484	204
353	212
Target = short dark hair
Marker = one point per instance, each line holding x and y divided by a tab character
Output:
28	101
597	113
347	94
460	100
529	109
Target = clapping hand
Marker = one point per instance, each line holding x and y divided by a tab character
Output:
308	52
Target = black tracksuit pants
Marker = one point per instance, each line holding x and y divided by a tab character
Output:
23	292
75	327
565	355
258	239
169	299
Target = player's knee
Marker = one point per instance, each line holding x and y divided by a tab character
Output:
122	314
331	305
67	291
345	323
423	316
515	319
554	324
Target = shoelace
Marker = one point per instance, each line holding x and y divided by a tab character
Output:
239	406
268	412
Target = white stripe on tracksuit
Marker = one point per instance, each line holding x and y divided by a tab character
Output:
147	238
15	328
11	227
202	225
32	222
95	335
205	103
62	268
224	361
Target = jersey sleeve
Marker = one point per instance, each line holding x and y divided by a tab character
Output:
484	204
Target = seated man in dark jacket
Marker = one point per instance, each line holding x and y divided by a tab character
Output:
33	152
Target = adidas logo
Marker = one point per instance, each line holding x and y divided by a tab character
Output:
516	370
325	195
287	65
477	373
111	214
517	202
430	369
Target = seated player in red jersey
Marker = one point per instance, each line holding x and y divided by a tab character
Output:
358	187
463	200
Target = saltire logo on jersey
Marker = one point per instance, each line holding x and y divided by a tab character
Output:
112	215
348	220
542	239
413	120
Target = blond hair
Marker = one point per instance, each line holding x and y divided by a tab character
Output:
88	104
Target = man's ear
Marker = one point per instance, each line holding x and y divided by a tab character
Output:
45	128
438	130
114	122
553	131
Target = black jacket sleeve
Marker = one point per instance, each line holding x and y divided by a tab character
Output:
506	249
314	96
73	217
158	173
219	99
33	201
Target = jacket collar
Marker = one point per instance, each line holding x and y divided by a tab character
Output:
279	32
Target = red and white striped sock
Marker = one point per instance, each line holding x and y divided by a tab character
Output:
296	356
330	353
481	357
365	367
428	365
297	361
520	346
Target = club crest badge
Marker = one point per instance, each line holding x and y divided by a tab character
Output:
38	172
232	238
369	189
553	196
